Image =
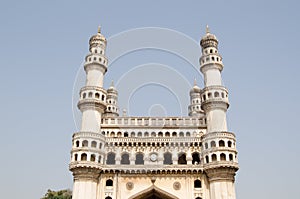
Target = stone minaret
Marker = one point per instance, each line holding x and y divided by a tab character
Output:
87	151
219	151
112	109
195	109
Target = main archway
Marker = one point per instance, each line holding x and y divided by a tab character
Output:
153	192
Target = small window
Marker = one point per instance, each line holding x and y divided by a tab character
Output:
94	144
174	134
230	157
223	157
182	158
146	134
206	159
111	158
125	158
95	50
76	157
77	143
213	157
216	94
84	95
97	95
221	143
90	94
109	183
85	143
153	134
206	146
197	184
160	134
229	143
168	158
167	134
212	144
139	158
83	157
211	51
125	134
181	134
93	158
209	95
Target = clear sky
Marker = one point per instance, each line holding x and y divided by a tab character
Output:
43	44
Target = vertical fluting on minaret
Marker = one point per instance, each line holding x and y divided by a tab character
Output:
219	150
88	144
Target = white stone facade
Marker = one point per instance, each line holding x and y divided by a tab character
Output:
191	157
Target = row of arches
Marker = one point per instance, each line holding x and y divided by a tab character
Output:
85	157
147	134
222	157
85	143
155	144
216	94
221	143
95	95
140	159
211	58
94	58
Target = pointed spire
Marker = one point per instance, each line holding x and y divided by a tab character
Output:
99	29
195	82
207	29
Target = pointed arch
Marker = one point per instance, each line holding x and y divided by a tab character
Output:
155	191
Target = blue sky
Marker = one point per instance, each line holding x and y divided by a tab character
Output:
43	44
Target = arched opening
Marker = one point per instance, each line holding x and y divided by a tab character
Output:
230	157
83	157
181	134
221	143
160	134
197	184
212	144
125	158
153	134
206	159
139	134
99	159
132	134
109	183
125	134
198	198
111	158
206	146
119	134
182	158
93	158
146	134
188	134
196	158
77	143
112	134
223	157
76	157
97	95
167	134
174	134
139	158
216	94
94	144
90	94
108	197
213	157
85	143
229	143
168	158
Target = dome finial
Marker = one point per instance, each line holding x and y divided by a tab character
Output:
99	29
195	82
207	29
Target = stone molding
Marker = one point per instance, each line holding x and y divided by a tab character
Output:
221	174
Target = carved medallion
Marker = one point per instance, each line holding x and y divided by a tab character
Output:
129	185
176	185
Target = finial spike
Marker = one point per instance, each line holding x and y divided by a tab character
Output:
195	82
207	29
99	29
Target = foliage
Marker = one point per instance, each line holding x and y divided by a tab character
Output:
62	194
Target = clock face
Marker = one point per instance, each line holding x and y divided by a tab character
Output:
153	157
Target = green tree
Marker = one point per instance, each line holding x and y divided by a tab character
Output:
62	194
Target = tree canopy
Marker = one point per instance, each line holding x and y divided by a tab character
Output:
62	194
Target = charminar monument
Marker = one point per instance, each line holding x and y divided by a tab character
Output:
123	157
